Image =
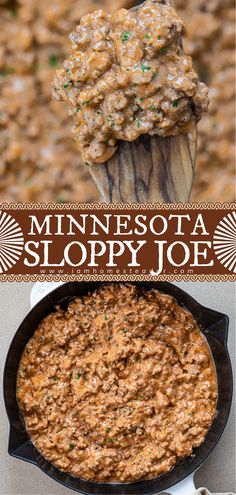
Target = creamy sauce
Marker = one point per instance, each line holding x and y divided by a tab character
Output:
128	76
118	387
39	159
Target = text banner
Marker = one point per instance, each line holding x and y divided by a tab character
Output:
117	242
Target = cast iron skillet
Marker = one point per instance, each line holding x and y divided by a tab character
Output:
214	326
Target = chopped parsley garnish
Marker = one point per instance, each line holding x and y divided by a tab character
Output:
148	36
14	13
60	199
78	376
110	122
71	445
111	440
105	317
152	107
55	378
108	429
28	182
163	51
66	86
53	60
67	70
175	103
139	124
86	102
155	74
77	109
125	36
7	72
159	38
145	68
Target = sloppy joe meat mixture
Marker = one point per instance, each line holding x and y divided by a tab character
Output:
128	76
39	158
119	386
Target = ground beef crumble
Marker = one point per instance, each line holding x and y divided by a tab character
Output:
119	386
128	76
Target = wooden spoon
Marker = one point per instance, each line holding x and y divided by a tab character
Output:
151	169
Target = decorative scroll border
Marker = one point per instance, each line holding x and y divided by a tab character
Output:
114	206
117	278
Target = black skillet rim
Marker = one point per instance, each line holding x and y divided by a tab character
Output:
218	331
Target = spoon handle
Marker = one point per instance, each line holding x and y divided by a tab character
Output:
151	169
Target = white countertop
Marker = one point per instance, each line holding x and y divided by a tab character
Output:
20	478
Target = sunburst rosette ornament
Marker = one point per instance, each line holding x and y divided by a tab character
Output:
11	242
224	242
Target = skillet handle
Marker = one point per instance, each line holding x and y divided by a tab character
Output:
186	487
19	446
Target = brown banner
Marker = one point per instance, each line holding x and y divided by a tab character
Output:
117	242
